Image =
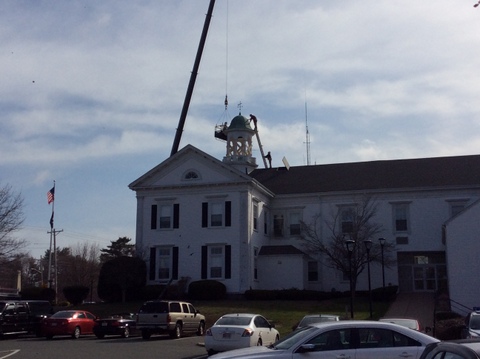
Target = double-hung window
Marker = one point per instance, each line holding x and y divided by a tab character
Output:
163	263
216	261
255	216
217	214
400	217
294	219
278	224
165	216
347	217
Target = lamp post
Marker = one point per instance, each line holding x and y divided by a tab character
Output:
368	246
382	244
350	244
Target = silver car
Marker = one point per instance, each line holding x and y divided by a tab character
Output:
343	339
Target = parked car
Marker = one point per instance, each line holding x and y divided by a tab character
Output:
240	330
472	325
342	339
405	322
68	322
23	317
460	349
316	318
169	317
123	324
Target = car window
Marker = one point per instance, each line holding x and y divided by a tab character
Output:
234	321
192	309
81	315
175	307
450	356
331	340
185	307
10	309
375	338
90	316
21	308
400	340
261	322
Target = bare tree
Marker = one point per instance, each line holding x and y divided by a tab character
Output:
355	223
11	220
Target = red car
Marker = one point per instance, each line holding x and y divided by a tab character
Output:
68	322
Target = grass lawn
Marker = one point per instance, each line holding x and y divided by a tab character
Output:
284	314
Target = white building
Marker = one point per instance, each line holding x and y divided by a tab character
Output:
204	218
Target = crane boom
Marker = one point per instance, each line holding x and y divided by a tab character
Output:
193	77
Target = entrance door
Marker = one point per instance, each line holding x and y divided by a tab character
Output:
424	278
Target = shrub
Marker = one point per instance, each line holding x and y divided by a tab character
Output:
76	294
207	290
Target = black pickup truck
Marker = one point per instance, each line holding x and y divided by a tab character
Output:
23	316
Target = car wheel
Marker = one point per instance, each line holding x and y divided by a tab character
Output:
126	332
201	329
100	336
177	332
211	352
259	343
76	333
146	334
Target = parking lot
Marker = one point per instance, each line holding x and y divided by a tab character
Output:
89	347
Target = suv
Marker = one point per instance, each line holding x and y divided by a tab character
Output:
472	325
22	316
170	317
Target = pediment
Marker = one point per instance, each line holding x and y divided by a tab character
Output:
189	167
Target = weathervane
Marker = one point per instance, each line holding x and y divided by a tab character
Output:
240	106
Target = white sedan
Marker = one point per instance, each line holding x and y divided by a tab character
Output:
343	339
240	330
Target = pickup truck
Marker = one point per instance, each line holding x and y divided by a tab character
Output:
169	317
22	316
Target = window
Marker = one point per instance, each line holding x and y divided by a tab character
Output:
217	214
400	217
165	216
278	225
255	216
347	216
255	263
294	219
312	271
164	263
216	262
191	175
215	258
331	340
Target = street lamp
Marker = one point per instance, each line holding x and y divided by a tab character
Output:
382	244
368	245
350	244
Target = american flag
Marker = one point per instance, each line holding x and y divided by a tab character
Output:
51	195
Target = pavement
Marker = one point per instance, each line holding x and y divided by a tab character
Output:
414	305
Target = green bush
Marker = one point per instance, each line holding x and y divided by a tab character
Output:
207	290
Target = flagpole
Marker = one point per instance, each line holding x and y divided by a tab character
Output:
52	200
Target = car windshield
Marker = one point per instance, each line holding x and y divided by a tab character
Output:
475	322
294	338
234	321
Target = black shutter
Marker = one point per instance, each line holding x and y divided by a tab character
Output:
176	215
228	262
175	263
153	256
205	214
228	214
153	219
204	262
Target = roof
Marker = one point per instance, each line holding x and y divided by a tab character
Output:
279	250
373	175
240	122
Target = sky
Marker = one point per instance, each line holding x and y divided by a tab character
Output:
91	93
